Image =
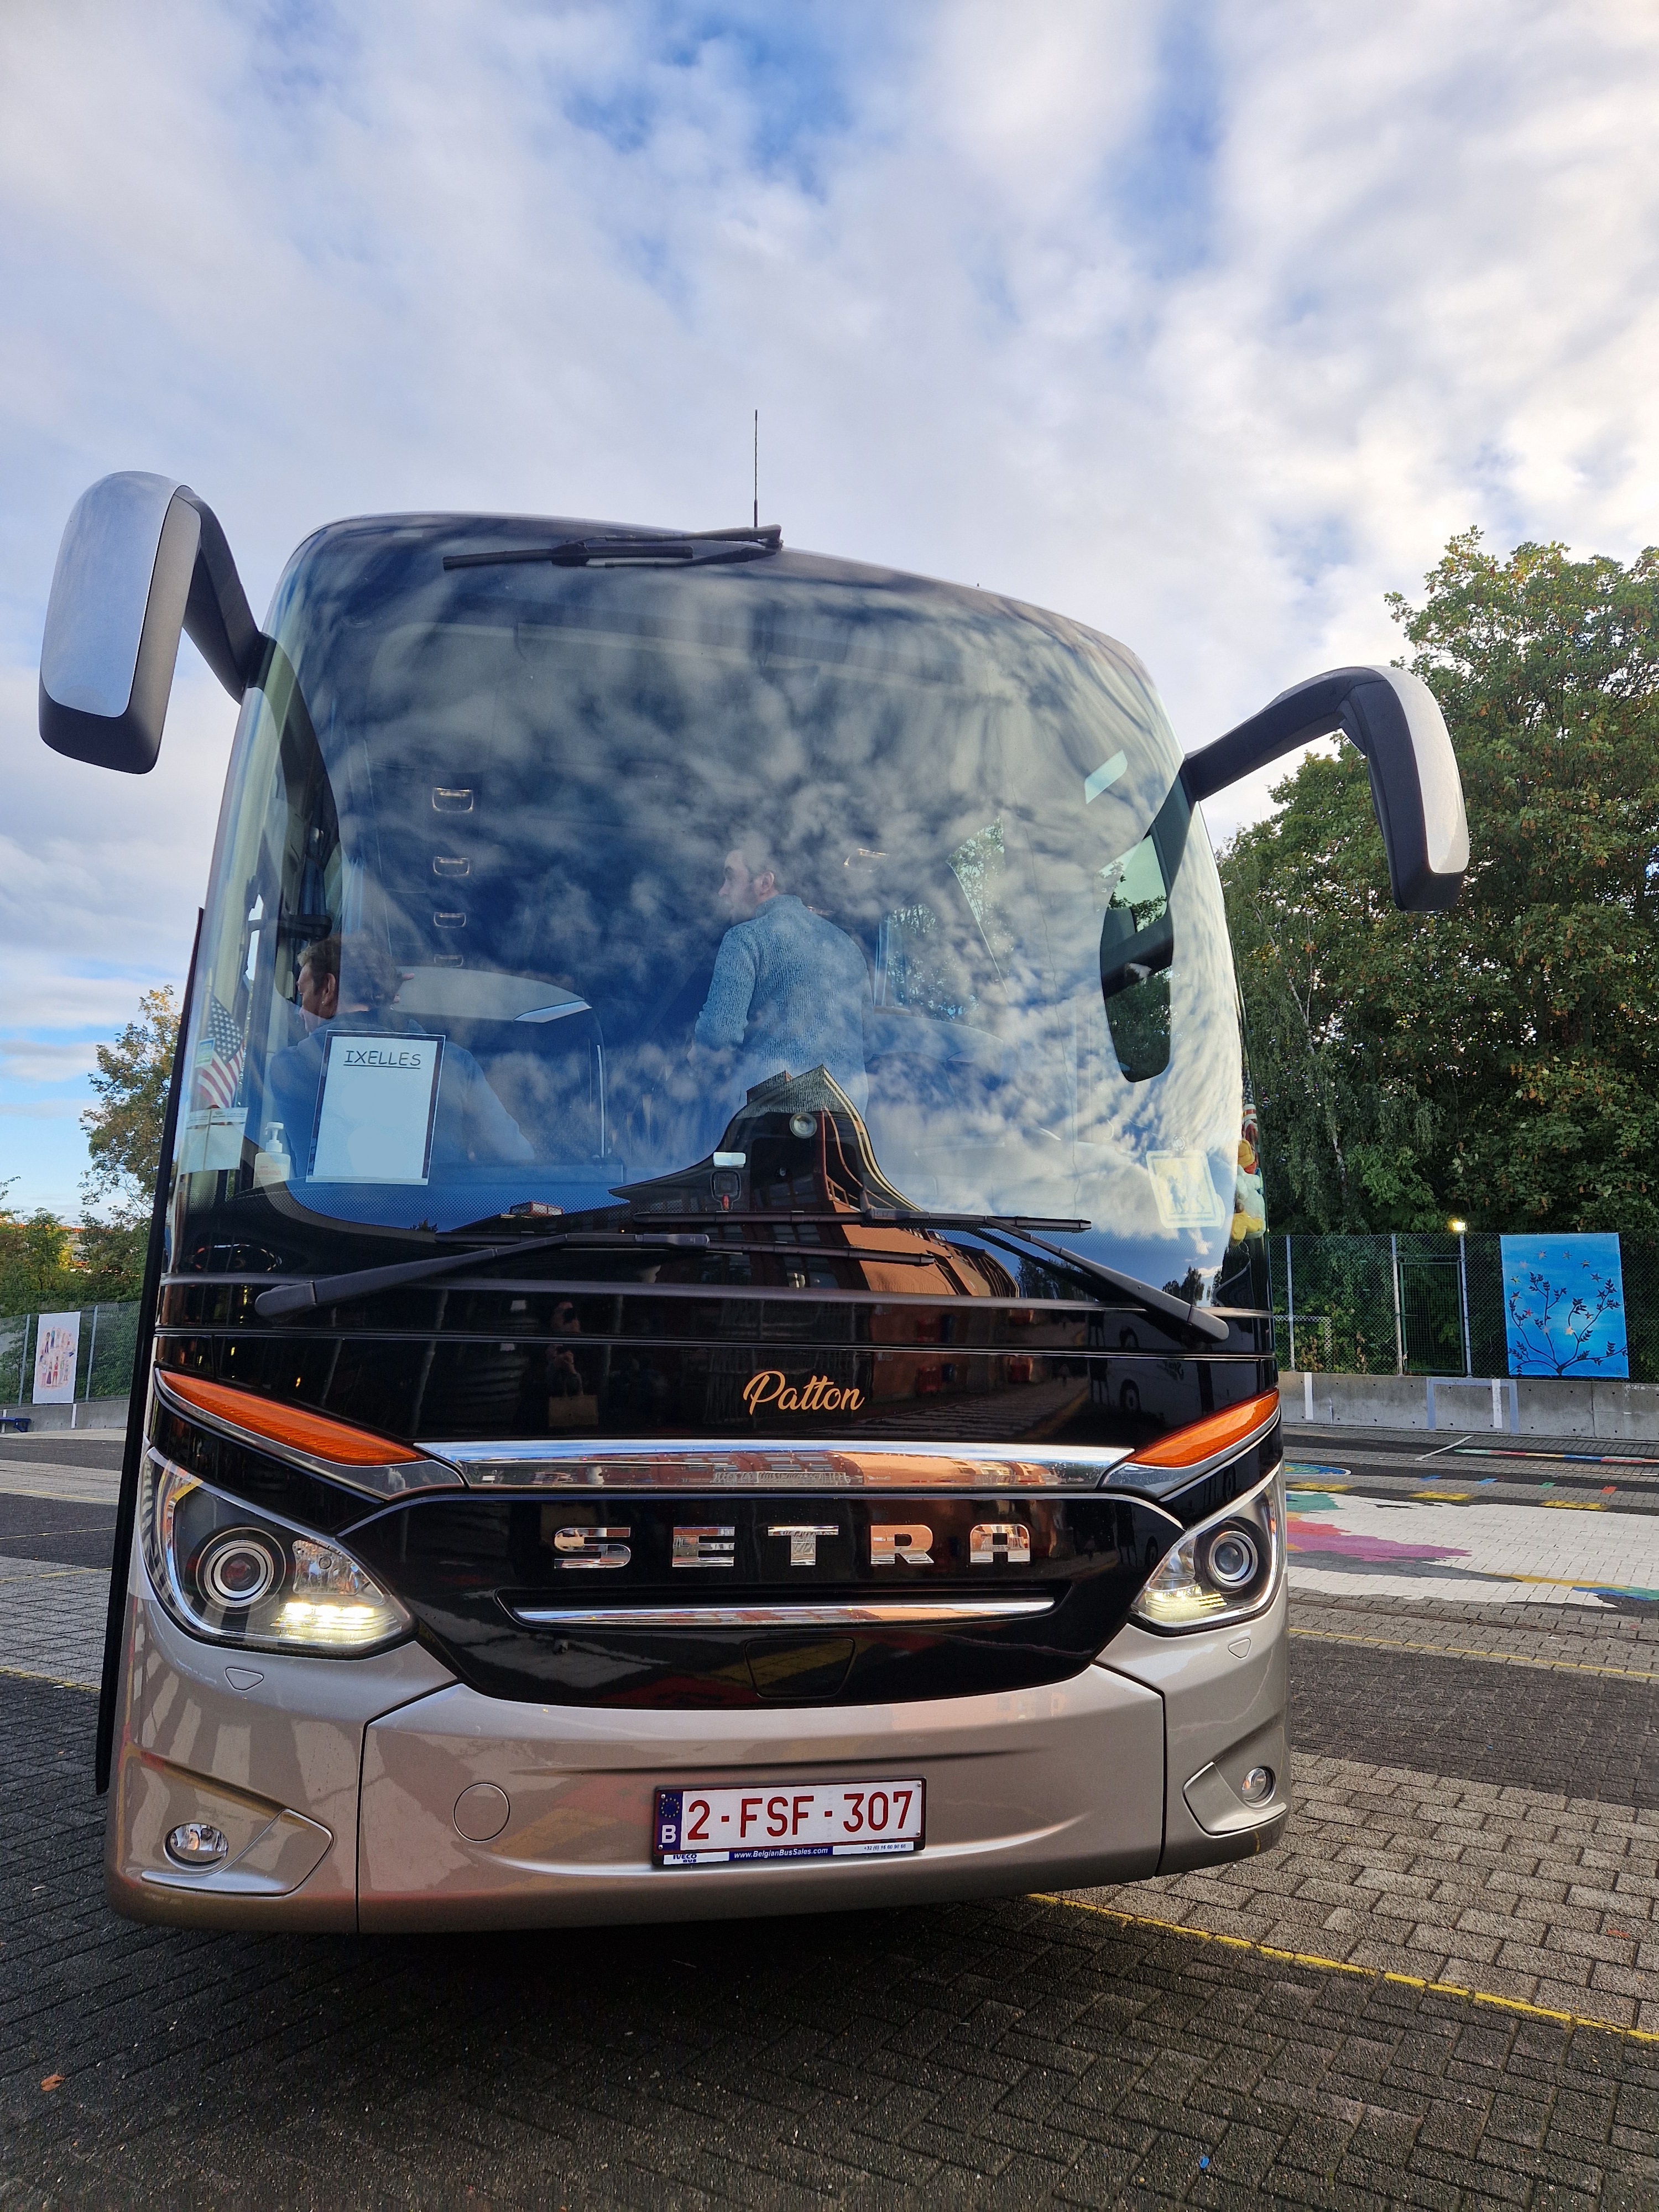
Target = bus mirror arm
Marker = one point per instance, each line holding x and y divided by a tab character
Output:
143	562
1394	719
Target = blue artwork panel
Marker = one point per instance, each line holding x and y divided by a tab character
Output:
1564	1306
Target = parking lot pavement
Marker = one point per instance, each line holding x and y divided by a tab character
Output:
1442	1989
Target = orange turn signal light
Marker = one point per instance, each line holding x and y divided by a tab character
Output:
297	1426
1203	1439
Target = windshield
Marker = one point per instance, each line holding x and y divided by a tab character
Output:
530	877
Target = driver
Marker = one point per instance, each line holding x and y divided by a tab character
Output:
789	988
349	984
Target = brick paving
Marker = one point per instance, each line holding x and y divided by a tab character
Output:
1625	1644
1520	1894
51	1621
1019	2052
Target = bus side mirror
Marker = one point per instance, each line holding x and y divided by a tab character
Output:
1395	720
142	559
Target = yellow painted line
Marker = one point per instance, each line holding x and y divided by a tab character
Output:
1466	1651
1575	1504
58	1681
1444	1497
1312	1959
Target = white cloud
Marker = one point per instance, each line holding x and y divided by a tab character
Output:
1207	327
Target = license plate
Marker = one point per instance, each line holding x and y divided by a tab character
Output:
792	1821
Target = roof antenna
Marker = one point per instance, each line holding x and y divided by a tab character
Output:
757	468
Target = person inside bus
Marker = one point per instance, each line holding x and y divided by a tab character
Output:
349	984
789	989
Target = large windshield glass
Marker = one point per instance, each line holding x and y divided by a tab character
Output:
530	876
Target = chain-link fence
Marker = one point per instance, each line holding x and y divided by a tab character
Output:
102	1343
1431	1305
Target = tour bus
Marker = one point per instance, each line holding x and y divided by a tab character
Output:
707	1348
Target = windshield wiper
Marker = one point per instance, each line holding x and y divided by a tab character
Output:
332	1290
686	547
996	1229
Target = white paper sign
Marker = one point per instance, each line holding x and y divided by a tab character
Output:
212	1138
56	1346
1187	1197
378	1099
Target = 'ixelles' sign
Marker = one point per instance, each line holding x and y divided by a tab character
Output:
818	1395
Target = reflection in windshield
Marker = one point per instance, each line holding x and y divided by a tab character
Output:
530	876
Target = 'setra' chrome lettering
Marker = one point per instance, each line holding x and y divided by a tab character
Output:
891	1541
706	1547
1011	1539
593	1547
714	1545
804	1539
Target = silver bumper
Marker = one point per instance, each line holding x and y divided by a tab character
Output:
336	1784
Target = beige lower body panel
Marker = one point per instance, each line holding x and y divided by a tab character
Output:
1224	1693
1062	1785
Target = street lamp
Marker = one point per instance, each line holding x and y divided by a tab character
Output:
1457	1228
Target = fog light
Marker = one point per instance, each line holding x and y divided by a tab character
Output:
1257	1786
193	1843
802	1125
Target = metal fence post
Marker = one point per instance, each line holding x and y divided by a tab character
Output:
1289	1303
1463	1303
1398	1331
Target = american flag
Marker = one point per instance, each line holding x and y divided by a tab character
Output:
219	1056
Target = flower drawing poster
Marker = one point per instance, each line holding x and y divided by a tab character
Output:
1564	1306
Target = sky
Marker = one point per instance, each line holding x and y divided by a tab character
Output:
1207	325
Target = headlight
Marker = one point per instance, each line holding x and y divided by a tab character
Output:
237	1576
1225	1569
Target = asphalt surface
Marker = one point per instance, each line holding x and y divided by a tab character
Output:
1268	2032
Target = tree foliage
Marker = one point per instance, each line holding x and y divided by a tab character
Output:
37	1270
1499	1062
123	1129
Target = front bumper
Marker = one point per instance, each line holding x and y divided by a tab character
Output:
335	1784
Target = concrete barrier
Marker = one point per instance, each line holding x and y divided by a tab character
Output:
1529	1406
89	1413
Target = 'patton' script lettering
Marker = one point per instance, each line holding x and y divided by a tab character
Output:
818	1395
361	1056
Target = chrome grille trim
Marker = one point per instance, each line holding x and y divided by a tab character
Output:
879	1613
773	1464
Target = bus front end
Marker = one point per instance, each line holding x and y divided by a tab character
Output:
712	1355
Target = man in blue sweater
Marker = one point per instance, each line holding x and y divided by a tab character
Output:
789	988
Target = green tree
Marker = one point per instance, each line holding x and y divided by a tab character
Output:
124	1139
123	1129
36	1266
1499	1062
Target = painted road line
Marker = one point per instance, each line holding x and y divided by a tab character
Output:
1312	1959
1467	1651
58	1681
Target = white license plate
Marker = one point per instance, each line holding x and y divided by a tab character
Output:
788	1820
